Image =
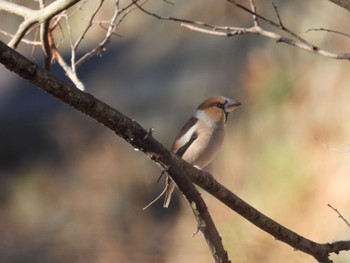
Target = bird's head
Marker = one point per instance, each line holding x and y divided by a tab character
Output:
216	109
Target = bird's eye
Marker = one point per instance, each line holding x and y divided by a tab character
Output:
219	105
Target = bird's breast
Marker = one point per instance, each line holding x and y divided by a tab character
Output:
203	150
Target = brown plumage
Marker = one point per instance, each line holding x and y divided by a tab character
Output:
201	137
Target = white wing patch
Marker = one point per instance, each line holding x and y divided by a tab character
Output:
187	136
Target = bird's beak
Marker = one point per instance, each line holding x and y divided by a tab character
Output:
231	105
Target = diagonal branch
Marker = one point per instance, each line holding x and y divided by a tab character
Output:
15	9
279	25
112	26
340	215
289	37
44	38
342	3
77	42
139	138
67	69
126	128
32	17
56	11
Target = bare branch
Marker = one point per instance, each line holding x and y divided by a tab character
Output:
275	7
206	31
25	41
204	221
253	7
15	9
291	39
126	128
295	39
134	133
44	33
80	38
67	69
340	215
140	139
32	17
170	18
56	9
44	38
343	3
111	28
328	31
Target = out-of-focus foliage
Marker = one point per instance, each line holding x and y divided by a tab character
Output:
71	191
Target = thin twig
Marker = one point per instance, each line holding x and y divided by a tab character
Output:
134	134
328	31
15	9
206	31
138	138
110	32
56	23
275	7
339	215
124	12
291	39
271	22
253	7
44	38
32	17
24	40
82	35
170	18
67	69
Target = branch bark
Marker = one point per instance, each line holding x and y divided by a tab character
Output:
289	37
342	3
45	14
126	128
32	17
139	138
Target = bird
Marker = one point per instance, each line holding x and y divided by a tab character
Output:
200	138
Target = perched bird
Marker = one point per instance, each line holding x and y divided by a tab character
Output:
201	137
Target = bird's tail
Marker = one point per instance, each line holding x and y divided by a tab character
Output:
168	190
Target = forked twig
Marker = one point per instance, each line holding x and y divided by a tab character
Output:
127	128
113	24
289	38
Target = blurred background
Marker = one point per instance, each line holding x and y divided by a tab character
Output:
71	191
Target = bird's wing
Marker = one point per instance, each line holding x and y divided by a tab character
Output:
186	137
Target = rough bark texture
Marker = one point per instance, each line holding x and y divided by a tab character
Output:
141	139
343	3
126	128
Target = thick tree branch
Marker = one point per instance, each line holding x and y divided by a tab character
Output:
343	3
139	138
126	128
